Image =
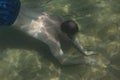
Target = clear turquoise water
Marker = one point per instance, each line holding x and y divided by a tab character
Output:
25	58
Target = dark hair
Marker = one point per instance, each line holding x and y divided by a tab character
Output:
69	27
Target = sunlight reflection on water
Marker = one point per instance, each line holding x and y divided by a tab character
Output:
24	58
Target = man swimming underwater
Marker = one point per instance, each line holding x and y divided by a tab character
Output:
44	27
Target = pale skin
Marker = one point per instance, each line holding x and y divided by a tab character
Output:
56	50
46	28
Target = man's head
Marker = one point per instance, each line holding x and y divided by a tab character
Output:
69	27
